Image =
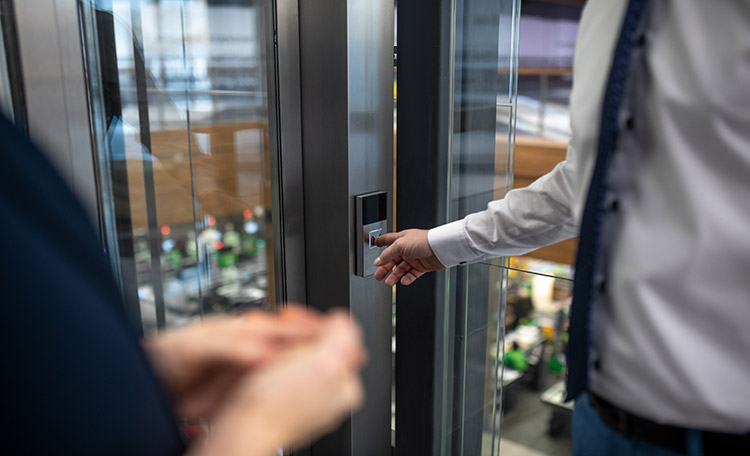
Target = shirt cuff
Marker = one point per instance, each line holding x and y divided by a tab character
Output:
451	245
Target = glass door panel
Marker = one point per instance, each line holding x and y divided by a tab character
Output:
184	147
481	163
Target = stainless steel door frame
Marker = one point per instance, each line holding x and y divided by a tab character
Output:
346	55
8	49
51	55
286	138
12	97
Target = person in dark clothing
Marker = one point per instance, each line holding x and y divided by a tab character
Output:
76	379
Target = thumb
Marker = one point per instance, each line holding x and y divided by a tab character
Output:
392	253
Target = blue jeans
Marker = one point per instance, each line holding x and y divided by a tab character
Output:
591	437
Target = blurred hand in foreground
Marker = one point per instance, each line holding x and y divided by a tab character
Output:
304	393
407	258
200	363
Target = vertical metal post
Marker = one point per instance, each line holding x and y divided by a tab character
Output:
285	136
12	65
346	62
105	112
141	85
425	79
56	103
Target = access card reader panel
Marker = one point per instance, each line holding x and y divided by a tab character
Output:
372	221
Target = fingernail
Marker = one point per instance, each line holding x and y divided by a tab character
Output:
377	261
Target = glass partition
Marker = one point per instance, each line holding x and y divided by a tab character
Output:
546	47
535	420
485	58
183	136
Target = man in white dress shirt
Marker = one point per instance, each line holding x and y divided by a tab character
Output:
669	359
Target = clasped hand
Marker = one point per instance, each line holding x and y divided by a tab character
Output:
264	380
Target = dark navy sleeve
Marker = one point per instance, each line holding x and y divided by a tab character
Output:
74	379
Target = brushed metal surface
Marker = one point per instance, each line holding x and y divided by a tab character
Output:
285	124
56	98
367	252
346	50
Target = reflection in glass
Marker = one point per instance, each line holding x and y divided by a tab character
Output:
185	102
547	44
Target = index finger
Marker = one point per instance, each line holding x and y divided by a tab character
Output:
387	239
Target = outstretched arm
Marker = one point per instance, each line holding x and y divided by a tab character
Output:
525	220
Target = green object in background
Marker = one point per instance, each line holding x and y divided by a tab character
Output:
228	259
249	246
232	239
555	365
516	359
175	257
190	248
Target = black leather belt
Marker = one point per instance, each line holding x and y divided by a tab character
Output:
669	437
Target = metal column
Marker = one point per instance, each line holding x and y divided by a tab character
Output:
56	98
425	111
346	62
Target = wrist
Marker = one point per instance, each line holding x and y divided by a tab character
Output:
162	364
450	245
244	431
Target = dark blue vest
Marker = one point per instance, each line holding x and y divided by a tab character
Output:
74	379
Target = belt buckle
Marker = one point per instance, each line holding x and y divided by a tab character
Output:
622	422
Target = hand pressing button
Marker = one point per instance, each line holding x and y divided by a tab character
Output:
372	236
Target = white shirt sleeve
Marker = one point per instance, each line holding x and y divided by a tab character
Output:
525	220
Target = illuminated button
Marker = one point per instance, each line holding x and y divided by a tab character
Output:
371	237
